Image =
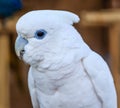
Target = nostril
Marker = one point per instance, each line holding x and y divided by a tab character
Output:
22	53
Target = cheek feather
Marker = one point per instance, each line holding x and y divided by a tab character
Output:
33	54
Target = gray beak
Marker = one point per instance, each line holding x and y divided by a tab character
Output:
19	46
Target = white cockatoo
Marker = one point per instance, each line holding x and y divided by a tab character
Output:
64	71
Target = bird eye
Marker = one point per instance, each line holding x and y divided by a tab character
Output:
40	34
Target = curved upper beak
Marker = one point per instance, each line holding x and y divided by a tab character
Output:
19	46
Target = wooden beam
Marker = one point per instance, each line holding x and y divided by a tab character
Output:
4	71
100	18
9	26
114	48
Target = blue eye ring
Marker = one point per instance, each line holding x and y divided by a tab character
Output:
40	34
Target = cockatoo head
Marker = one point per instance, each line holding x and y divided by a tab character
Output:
45	35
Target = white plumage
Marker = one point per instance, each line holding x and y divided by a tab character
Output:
64	71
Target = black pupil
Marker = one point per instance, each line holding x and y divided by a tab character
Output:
40	33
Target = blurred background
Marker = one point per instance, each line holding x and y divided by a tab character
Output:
99	27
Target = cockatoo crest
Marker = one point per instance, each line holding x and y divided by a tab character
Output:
60	16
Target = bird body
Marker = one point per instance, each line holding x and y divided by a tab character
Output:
64	72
